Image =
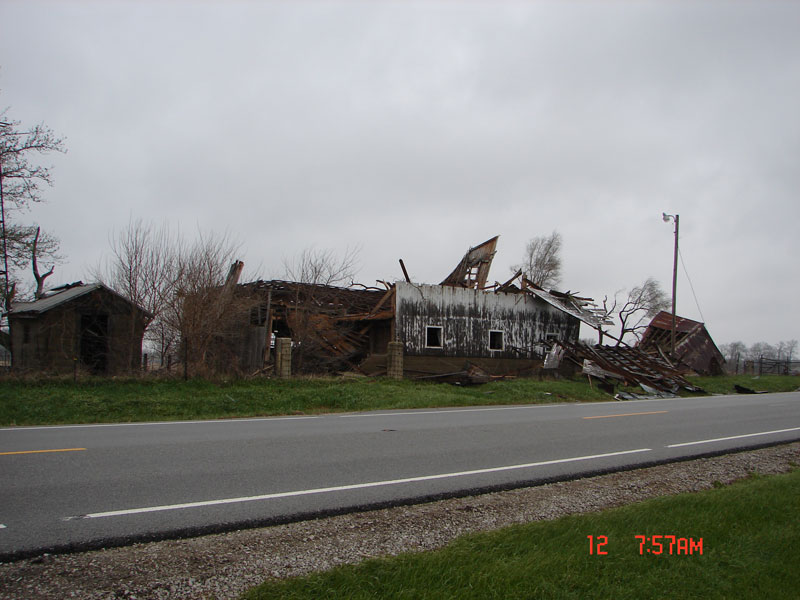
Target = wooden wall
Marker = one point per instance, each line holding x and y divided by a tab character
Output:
467	316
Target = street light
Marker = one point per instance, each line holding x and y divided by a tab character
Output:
667	219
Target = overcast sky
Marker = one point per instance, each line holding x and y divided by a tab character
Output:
418	129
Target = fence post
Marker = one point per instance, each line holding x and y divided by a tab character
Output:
283	357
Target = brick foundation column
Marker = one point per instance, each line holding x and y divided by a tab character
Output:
283	357
394	360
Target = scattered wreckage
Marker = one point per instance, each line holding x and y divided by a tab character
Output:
463	330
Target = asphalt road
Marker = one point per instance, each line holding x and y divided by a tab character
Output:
89	486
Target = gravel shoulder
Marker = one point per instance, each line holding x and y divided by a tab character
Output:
224	566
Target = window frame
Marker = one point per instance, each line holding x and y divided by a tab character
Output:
502	340
428	328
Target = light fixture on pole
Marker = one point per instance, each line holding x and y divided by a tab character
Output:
667	219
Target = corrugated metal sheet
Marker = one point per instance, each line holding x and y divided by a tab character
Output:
580	308
632	366
53	300
61	297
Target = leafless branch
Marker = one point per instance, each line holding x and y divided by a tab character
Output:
542	262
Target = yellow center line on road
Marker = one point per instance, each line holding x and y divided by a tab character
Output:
655	412
43	451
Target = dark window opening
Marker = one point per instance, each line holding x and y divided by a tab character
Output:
433	337
26	333
94	343
495	340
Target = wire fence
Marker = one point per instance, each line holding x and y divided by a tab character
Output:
764	366
771	366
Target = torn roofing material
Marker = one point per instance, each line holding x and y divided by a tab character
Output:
630	365
335	301
473	270
583	309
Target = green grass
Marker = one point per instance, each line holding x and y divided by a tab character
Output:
50	402
750	535
768	383
104	401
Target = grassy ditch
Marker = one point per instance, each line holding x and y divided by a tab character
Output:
50	402
763	383
106	401
749	533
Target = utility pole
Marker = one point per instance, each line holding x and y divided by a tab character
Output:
667	219
6	306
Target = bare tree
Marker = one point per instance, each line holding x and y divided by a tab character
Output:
207	310
144	268
733	353
762	350
188	289
789	348
38	276
640	305
786	349
21	182
30	246
21	239
322	267
542	262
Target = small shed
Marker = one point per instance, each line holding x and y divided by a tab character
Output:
86	325
694	348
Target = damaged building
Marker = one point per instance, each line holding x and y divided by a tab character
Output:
85	326
502	328
695	350
651	364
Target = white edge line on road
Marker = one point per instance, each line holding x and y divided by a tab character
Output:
355	486
444	411
733	437
139	424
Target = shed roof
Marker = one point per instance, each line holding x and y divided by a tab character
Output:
663	320
63	296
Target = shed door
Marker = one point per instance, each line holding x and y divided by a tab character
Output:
94	343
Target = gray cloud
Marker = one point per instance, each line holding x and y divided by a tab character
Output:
416	130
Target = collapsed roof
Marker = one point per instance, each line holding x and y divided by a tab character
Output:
627	365
694	347
473	271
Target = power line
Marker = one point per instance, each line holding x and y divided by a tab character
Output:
689	279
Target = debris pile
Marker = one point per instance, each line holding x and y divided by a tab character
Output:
621	365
